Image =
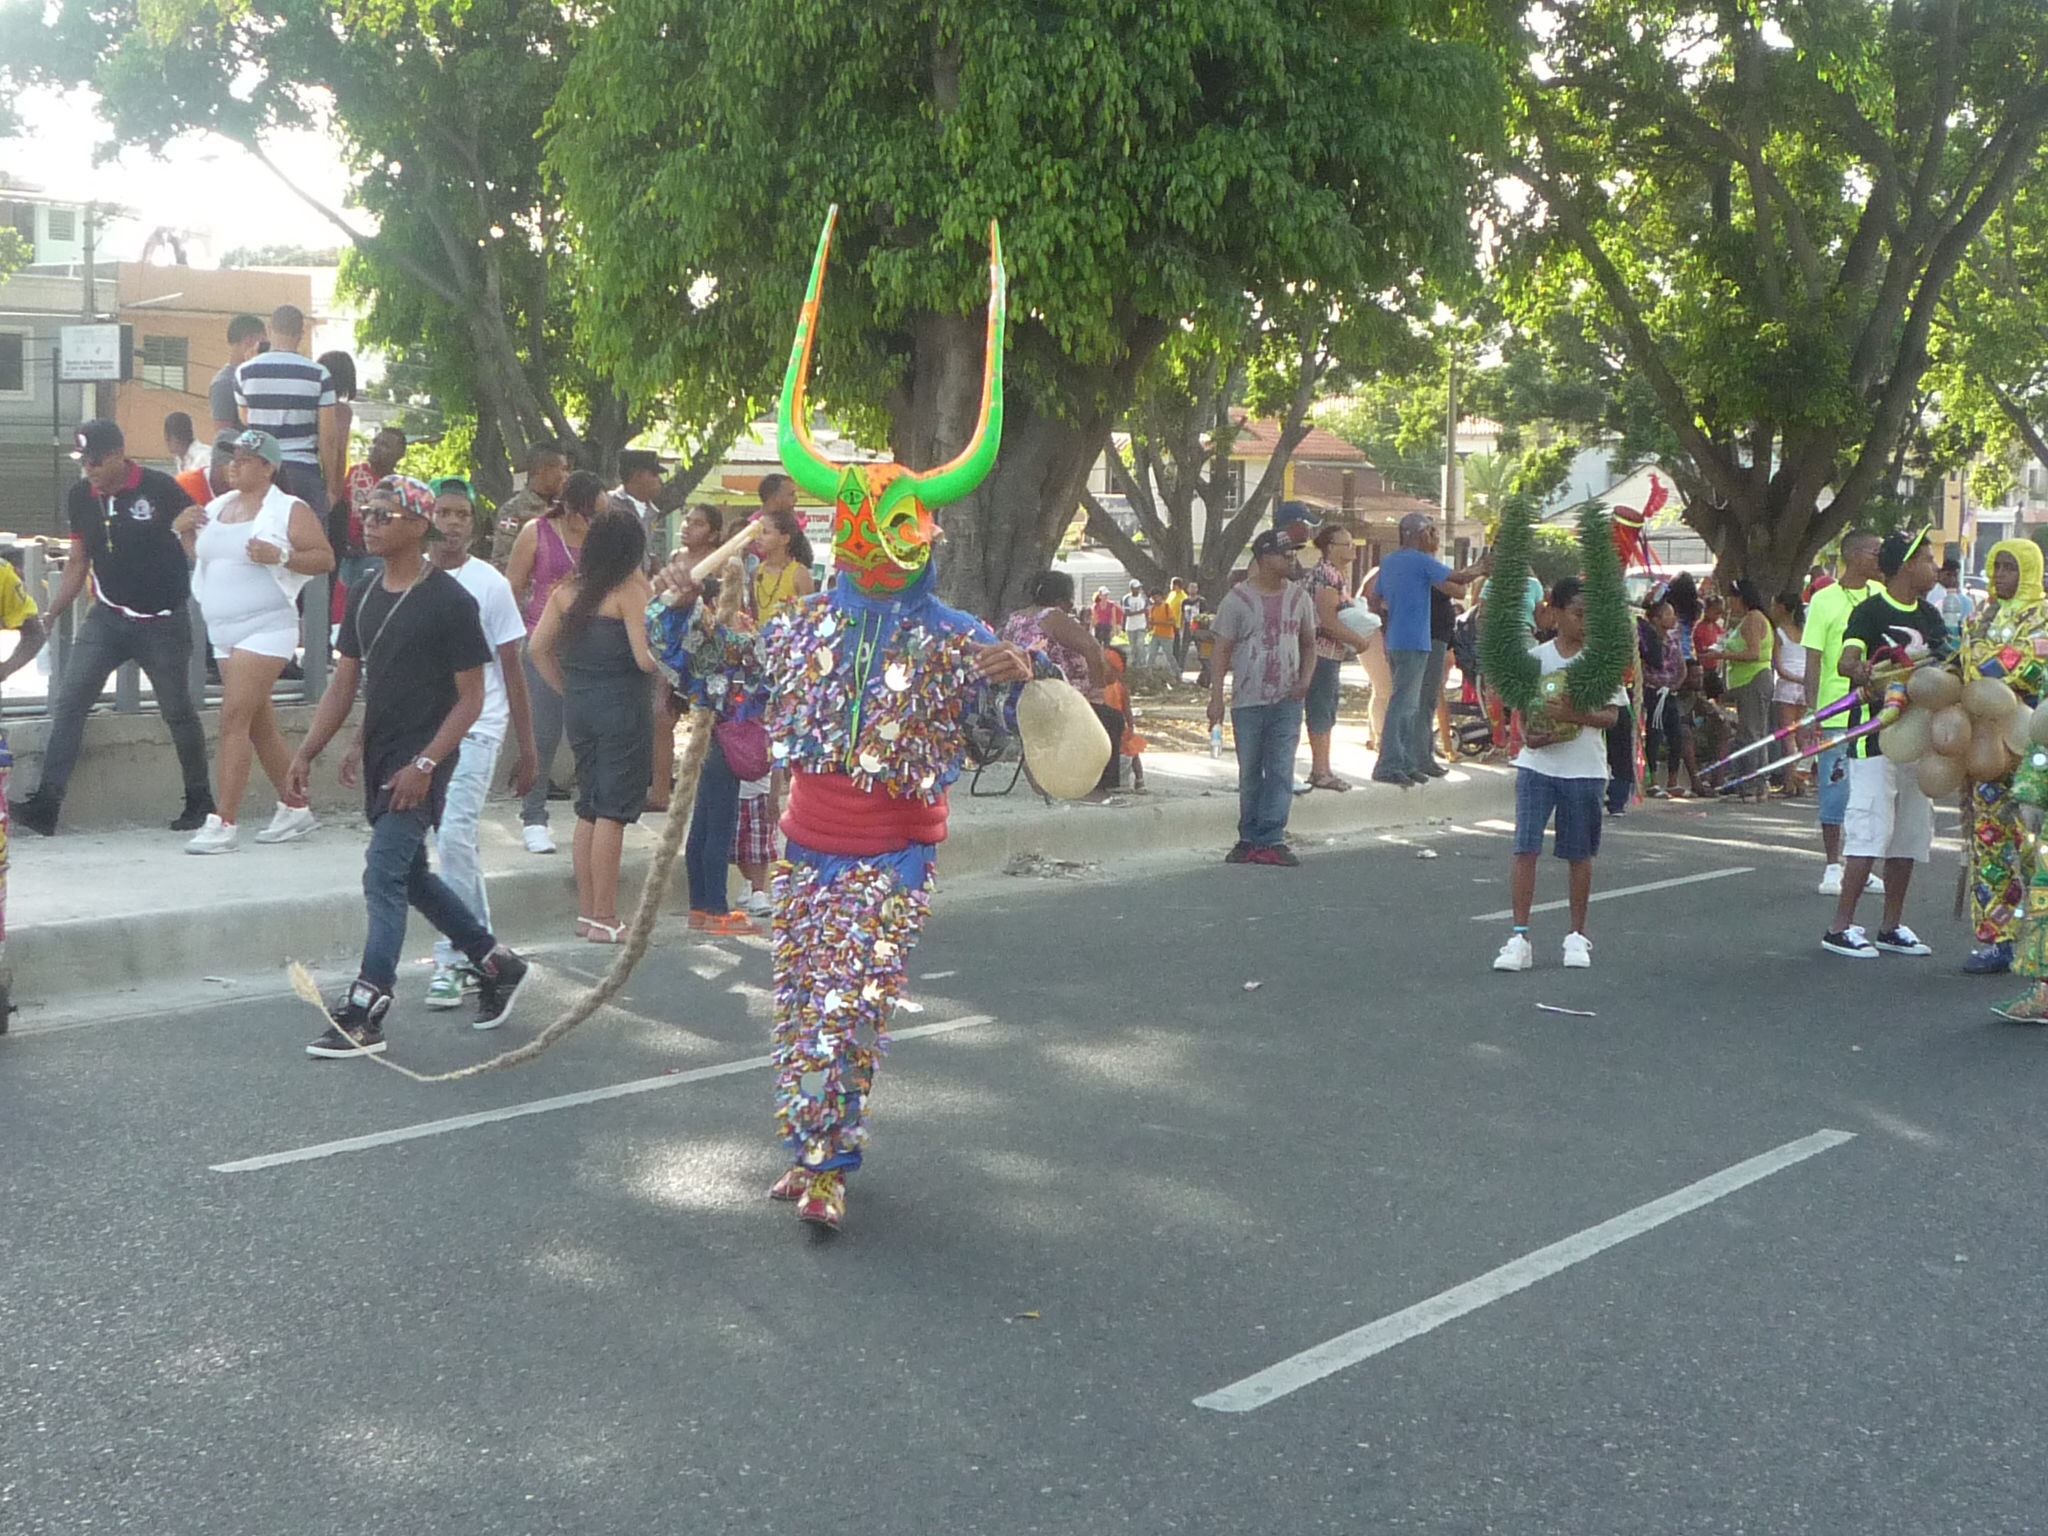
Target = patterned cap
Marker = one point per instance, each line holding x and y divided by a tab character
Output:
414	497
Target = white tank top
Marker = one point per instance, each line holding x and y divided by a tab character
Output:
233	590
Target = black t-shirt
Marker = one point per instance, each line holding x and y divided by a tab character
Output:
137	561
1876	623
416	641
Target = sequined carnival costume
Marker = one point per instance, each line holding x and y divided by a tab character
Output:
871	688
2007	640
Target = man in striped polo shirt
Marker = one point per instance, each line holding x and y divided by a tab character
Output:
287	394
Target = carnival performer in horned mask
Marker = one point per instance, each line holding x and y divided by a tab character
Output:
869	690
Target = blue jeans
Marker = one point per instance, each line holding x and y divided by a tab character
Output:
1267	736
163	647
1429	695
1402	743
708	854
456	854
395	875
546	707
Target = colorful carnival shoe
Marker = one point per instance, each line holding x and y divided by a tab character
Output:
2030	1007
1990	960
824	1201
792	1185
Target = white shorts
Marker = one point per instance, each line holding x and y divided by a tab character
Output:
1888	816
277	641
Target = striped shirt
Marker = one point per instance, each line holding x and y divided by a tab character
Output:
282	393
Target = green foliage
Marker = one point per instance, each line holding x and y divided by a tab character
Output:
1553	554
1504	657
13	253
283	256
1745	208
1510	668
437	106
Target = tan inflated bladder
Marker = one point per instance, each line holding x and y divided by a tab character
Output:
1065	746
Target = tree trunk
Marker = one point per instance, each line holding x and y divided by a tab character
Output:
1002	538
1772	533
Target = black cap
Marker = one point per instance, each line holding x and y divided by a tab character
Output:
1274	541
633	461
96	439
1897	549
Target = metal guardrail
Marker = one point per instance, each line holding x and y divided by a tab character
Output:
42	569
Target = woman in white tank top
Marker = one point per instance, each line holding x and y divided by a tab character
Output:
254	549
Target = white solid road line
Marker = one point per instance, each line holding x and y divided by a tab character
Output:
561	1101
1623	890
1311	1365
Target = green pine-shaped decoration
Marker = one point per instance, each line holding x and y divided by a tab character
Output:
1594	674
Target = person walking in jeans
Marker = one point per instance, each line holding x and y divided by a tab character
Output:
414	641
1265	631
456	853
123	539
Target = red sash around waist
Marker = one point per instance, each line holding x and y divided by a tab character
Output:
828	812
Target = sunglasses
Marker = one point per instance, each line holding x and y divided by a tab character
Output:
386	514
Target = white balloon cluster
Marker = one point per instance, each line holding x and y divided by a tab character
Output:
1956	733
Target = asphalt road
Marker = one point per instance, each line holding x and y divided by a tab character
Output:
1138	1183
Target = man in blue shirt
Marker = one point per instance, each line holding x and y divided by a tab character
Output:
1406	578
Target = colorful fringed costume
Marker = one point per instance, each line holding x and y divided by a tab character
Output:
2008	641
872	688
2030	929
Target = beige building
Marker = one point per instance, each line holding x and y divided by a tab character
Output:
179	317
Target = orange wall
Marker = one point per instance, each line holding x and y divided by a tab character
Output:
197	304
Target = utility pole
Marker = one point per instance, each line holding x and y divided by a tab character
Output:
1451	497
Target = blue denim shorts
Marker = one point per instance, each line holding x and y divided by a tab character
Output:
1831	781
1579	809
1320	708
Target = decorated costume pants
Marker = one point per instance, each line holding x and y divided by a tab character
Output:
1999	861
844	928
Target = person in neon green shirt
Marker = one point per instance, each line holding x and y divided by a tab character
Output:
1826	617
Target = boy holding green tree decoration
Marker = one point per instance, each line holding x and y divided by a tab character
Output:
1568	691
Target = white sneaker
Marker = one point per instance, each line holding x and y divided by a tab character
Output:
216	836
1831	881
537	840
288	823
1874	885
1515	955
760	904
1578	952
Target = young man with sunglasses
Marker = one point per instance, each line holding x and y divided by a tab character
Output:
414	641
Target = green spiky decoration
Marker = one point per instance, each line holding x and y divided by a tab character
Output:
1593	675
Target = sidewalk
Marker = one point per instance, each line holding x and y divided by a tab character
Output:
126	909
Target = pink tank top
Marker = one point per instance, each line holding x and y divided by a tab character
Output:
552	560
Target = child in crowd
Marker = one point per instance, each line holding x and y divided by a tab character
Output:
753	841
1116	696
1562	770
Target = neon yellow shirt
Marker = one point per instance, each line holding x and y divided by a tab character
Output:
1826	616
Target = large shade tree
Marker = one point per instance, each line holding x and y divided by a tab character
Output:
1756	208
1148	164
456	245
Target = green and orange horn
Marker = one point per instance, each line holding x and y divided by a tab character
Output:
808	467
958	476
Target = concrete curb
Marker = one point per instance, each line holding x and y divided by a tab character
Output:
532	902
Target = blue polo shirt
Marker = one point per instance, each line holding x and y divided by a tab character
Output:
1406	577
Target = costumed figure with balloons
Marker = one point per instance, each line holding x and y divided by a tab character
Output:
2005	643
873	690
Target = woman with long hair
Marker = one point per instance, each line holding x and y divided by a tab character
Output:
591	647
1745	649
545	551
1327	585
253	549
784	572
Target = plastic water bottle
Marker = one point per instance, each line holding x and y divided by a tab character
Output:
1216	739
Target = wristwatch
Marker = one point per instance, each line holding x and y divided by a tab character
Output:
424	763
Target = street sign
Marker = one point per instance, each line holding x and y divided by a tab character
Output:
92	354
